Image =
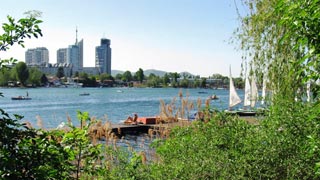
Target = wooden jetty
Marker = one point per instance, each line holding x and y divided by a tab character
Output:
123	129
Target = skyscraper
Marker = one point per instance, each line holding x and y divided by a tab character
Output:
37	56
62	55
75	55
103	56
80	45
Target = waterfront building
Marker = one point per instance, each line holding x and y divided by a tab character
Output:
62	55
37	56
80	46
53	68
73	57
103	56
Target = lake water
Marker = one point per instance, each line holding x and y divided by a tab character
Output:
53	105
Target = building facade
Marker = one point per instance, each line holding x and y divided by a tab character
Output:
103	56
73	57
62	55
80	46
37	56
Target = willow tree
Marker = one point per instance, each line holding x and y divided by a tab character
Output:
280	38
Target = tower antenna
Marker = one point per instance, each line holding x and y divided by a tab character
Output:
76	35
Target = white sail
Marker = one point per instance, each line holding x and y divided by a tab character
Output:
234	98
247	93
254	92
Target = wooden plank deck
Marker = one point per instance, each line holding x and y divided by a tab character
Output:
123	129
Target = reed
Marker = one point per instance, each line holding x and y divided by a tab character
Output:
39	122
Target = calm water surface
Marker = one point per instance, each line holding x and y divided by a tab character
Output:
53	105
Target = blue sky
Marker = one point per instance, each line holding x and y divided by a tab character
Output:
169	35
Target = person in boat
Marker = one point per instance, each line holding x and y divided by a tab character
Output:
132	120
214	97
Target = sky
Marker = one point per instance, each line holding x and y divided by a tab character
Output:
167	35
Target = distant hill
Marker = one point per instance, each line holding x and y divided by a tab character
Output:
115	72
154	71
148	72
186	74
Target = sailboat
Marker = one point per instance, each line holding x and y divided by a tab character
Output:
250	97
251	93
234	98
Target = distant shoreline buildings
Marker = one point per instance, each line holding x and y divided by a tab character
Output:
71	58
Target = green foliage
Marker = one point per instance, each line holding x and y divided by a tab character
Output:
21	72
29	154
205	151
203	82
166	79
81	152
105	76
5	76
88	81
35	76
126	76
153	80
60	72
281	37
230	148
15	32
140	75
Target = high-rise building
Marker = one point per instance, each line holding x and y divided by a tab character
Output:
80	45
62	55
73	57
73	54
103	56
37	56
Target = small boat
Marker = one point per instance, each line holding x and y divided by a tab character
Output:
20	98
202	92
84	94
214	97
119	91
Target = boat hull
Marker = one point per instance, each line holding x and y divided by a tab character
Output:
247	113
20	98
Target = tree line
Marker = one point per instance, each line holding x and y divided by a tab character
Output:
21	74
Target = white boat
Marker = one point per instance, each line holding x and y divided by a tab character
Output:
251	93
234	98
250	97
